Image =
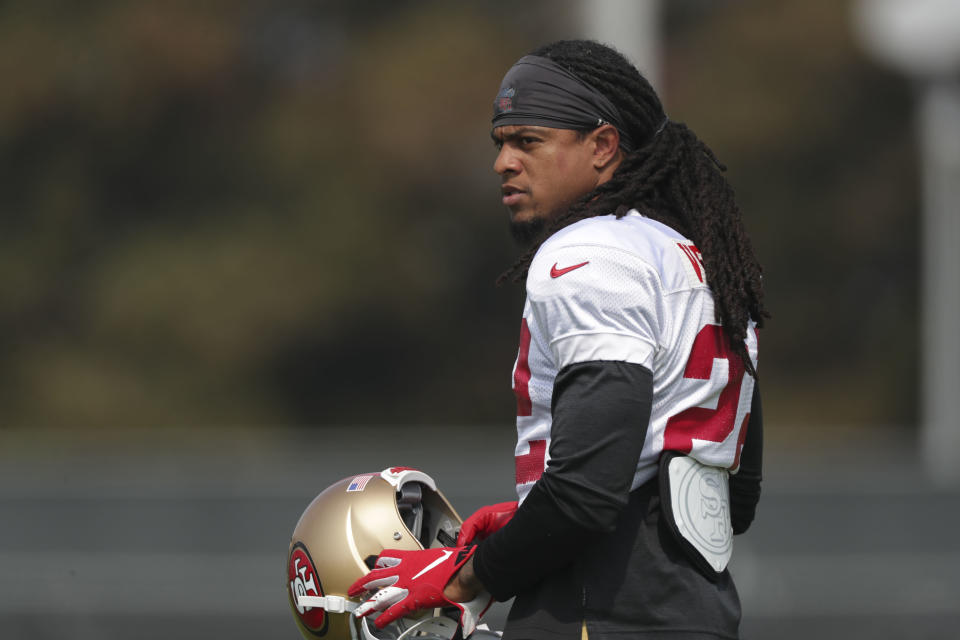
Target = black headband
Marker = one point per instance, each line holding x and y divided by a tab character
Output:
538	91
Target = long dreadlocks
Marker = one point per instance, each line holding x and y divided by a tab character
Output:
673	178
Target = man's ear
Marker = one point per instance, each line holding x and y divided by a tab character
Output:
606	149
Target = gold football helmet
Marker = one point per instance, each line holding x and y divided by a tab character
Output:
341	533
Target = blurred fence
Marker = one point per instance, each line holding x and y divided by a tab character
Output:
183	534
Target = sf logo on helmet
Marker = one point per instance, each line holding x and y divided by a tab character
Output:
304	582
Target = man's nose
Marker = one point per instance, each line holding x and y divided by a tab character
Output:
506	161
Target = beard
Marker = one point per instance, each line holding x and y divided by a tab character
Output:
527	233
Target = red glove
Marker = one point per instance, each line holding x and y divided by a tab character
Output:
486	521
407	581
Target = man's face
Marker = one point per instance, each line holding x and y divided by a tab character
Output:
543	172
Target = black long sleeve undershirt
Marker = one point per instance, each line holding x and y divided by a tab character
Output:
745	485
600	415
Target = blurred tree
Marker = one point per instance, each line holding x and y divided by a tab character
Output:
275	213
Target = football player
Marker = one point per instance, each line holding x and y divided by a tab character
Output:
638	414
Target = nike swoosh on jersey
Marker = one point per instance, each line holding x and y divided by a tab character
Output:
556	273
446	554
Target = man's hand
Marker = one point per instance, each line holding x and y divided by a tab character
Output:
407	581
486	521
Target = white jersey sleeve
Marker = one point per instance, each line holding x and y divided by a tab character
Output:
630	290
595	302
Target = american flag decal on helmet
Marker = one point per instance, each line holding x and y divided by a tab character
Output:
359	483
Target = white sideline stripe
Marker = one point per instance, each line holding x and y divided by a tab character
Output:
900	583
142	583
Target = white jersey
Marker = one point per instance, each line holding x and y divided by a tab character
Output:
630	290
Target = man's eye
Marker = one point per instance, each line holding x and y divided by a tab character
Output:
526	140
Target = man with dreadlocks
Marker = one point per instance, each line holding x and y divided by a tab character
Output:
639	423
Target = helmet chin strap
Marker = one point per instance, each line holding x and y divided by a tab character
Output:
330	604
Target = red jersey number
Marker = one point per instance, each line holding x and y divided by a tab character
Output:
702	423
521	374
530	465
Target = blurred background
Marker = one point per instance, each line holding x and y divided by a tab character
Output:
249	248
